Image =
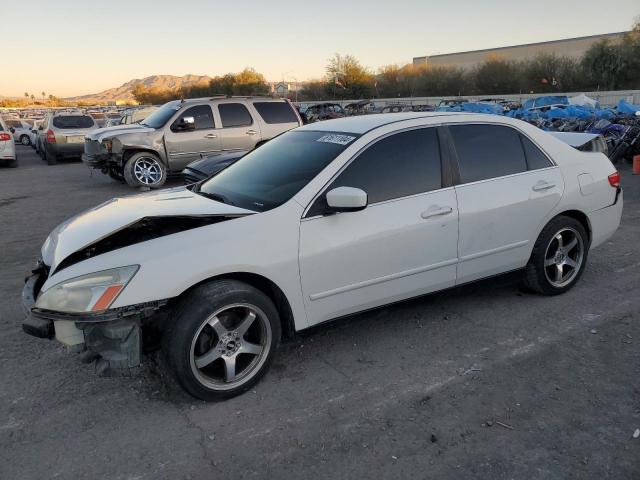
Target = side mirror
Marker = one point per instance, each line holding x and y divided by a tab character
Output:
346	199
185	123
12	130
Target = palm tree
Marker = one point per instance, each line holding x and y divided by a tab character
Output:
26	94
33	97
43	94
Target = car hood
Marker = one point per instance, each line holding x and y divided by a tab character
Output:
211	164
112	216
108	132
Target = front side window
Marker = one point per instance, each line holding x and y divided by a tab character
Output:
160	117
397	166
487	151
73	121
202	115
269	176
234	115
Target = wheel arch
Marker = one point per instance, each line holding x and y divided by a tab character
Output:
266	286
580	217
128	152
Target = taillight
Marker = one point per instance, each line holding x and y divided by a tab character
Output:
614	179
51	137
5	137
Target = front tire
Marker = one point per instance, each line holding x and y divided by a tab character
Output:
25	140
144	169
222	339
558	257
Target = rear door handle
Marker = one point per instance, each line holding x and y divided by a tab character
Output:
436	211
542	186
251	132
211	135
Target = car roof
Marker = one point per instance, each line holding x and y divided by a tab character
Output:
365	123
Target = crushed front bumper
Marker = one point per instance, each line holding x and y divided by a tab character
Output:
113	335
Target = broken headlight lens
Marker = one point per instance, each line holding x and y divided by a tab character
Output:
89	293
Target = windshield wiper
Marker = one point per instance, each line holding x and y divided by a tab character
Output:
214	196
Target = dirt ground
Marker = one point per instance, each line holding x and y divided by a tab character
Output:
483	381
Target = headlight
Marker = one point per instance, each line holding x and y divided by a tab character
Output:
89	293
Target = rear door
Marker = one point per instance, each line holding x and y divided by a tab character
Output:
238	129
507	187
184	145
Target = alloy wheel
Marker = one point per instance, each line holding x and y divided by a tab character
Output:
230	346
563	257
147	171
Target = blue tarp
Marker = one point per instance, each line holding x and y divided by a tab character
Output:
626	108
539	102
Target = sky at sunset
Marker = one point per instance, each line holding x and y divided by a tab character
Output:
71	47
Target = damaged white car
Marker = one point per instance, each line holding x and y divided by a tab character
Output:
321	222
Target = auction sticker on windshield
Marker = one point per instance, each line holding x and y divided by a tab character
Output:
338	139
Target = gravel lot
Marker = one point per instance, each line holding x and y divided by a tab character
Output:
483	381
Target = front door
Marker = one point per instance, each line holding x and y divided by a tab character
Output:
184	145
402	245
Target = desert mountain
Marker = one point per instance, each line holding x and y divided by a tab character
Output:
123	92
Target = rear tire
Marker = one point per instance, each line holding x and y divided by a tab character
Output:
222	339
558	258
13	163
50	158
144	169
25	140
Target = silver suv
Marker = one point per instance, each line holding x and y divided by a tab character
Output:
62	135
182	131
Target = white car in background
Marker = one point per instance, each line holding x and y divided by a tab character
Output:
21	130
7	146
323	221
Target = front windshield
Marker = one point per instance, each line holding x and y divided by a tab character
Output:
270	175
161	116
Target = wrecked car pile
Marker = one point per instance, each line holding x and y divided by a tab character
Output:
619	126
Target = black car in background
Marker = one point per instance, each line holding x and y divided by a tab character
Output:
206	167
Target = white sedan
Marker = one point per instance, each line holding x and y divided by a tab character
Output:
321	222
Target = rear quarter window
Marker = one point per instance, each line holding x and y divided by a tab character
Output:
73	121
276	112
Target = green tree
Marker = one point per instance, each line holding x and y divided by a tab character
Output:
347	78
602	65
495	76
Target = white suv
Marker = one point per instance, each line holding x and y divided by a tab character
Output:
323	221
7	146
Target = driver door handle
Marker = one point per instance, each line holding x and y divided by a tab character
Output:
251	132
211	135
436	211
542	186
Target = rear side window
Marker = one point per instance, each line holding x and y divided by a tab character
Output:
234	115
397	166
276	112
535	158
73	121
487	151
